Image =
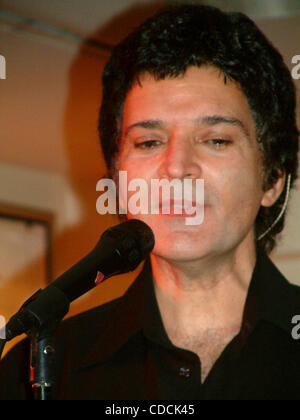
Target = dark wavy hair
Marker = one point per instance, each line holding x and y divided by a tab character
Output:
178	37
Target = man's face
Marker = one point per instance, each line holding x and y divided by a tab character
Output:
195	127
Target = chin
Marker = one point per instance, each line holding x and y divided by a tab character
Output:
178	250
175	240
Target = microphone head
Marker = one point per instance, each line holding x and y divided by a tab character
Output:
134	240
142	233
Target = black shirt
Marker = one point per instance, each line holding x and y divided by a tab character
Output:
120	350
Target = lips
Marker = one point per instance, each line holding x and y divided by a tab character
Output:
179	208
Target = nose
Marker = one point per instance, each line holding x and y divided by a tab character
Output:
178	160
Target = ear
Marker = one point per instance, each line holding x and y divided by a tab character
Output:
270	196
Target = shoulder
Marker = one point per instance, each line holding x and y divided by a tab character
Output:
285	297
93	316
80	331
276	299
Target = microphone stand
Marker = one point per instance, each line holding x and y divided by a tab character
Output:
39	321
42	364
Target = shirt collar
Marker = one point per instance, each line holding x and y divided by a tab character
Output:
270	298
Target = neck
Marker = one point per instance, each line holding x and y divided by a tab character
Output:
208	293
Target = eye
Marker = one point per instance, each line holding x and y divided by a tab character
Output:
219	143
147	144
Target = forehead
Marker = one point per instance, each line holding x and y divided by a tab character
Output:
200	92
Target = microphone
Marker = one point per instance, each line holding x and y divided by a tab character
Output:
120	249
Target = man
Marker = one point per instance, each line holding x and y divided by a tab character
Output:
194	93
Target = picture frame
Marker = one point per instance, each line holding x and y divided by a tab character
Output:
35	228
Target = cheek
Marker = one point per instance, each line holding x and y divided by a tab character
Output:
134	183
138	168
239	187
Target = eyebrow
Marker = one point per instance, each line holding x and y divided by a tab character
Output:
145	124
219	119
207	120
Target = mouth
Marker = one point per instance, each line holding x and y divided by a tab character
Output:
179	208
